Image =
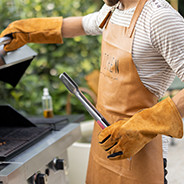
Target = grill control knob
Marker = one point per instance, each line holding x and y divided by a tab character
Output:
59	164
41	179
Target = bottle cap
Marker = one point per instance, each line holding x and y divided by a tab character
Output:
45	91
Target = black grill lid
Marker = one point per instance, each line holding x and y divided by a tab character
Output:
16	63
9	117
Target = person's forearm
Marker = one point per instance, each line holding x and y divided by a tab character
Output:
178	99
72	26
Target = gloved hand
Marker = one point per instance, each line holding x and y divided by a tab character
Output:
35	30
123	139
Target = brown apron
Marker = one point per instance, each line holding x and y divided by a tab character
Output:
121	94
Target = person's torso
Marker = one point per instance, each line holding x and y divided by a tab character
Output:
120	95
153	70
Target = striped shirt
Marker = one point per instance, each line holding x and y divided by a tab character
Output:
158	45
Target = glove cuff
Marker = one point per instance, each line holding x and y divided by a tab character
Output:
178	123
47	31
163	118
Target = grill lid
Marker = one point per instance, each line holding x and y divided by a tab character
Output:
12	118
14	64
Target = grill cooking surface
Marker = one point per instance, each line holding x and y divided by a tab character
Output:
15	140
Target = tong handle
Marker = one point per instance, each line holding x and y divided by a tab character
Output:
69	83
5	40
73	88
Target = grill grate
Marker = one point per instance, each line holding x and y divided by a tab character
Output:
15	140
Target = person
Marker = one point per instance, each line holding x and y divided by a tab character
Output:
142	51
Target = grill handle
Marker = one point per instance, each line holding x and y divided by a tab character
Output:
3	41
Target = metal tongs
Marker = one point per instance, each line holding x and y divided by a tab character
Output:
73	88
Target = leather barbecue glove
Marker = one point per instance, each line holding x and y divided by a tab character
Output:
124	139
35	30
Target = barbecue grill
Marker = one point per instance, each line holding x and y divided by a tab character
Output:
33	150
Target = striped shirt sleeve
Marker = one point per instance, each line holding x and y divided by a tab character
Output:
167	37
92	21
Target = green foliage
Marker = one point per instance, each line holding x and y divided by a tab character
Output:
181	7
77	56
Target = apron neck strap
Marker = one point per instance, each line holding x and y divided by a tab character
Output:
108	16
136	14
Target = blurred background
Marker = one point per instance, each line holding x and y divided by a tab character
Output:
77	56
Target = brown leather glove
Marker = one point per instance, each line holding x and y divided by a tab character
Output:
35	30
124	139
